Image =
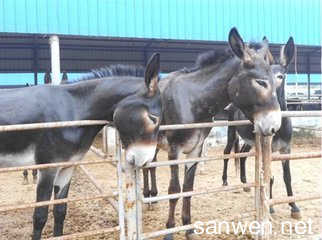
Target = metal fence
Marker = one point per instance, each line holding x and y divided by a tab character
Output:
130	198
263	158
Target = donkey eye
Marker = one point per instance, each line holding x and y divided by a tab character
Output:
263	83
280	76
154	118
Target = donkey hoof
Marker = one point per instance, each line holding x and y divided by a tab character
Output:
271	211
168	237
296	215
246	189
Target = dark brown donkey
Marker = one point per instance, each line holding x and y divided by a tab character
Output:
282	138
238	75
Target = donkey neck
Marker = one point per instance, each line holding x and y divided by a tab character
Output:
281	96
97	99
214	82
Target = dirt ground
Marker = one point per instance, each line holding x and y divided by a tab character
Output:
84	216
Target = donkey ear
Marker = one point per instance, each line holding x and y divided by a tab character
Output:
151	75
287	52
268	56
236	43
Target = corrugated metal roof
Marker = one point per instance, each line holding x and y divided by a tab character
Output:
168	19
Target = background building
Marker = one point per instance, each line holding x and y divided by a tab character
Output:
94	33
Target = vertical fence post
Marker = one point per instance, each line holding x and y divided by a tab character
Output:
118	156
258	154
265	186
133	206
105	140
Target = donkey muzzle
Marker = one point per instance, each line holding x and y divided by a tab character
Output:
139	155
268	123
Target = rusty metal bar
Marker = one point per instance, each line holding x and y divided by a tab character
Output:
197	160
98	152
258	167
296	156
120	185
52	165
204	125
99	189
282	200
237	123
62	124
53	202
190	226
193	193
86	234
265	186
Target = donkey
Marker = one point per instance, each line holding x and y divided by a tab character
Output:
240	75
120	94
282	138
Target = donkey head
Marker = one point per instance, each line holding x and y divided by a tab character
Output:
280	69
137	117
252	88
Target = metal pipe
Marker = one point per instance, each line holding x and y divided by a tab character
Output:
197	160
192	193
98	188
62	124
85	234
278	201
296	156
53	202
190	226
52	165
55	59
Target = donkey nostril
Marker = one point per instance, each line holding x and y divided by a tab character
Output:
273	130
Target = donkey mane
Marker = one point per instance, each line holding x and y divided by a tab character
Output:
213	57
112	71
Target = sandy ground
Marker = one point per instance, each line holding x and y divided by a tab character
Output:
84	216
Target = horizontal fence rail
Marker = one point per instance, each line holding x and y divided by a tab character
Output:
54	202
53	165
193	193
236	123
86	234
61	124
197	160
296	156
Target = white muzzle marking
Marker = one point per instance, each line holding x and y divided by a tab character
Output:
138	155
268	123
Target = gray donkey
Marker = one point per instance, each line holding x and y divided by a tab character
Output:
282	138
239	75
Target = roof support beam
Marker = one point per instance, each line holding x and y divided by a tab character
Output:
35	60
55	59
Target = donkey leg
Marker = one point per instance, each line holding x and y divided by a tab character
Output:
174	187
44	191
25	177
295	211
227	150
271	209
61	188
154	187
189	177
34	176
146	188
245	148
